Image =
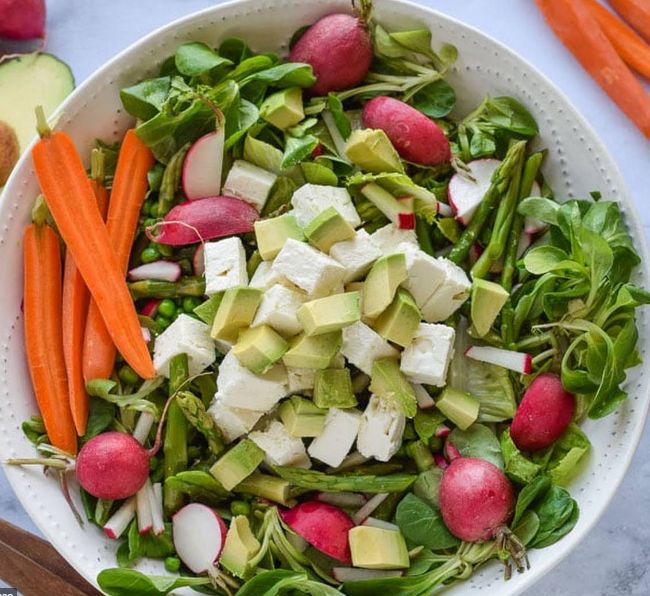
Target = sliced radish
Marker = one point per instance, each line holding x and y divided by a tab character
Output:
475	251
150	307
342	499
198	262
156	502
525	240
120	520
351	574
444	210
158	270
425	401
204	219
366	511
451	452
520	362
203	165
146	334
465	194
373	522
533	225
400	212
442	431
143	427
199	536
143	509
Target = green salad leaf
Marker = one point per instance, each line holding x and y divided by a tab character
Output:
196	58
422	524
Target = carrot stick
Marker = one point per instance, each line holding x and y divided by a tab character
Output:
43	336
76	299
69	196
578	30
130	187
635	12
630	46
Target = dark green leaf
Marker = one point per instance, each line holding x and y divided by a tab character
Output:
526	529
239	118
426	423
554	509
272	583
482	144
422	525
560	532
100	417
280	195
149	545
234	49
478	441
511	115
104	389
147	98
128	582
298	148
530	493
335	106
196	58
291	74
436	100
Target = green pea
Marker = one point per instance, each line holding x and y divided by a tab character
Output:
146	207
172	564
128	375
162	322
240	508
190	303
154	211
149	254
167	308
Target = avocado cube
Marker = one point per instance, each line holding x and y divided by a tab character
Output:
240	547
371	150
328	228
332	313
259	348
238	463
283	108
399	322
271	234
301	417
376	548
382	282
333	389
315	351
388	381
488	298
208	309
460	407
237	309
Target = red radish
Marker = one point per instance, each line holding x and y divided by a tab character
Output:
520	362
156	502
350	574
199	536
442	431
158	270
22	19
338	48
373	522
120	520
476	499
543	414
466	194
451	452
415	137
150	307
146	334
367	510
198	262
425	401
143	510
444	210
204	219
202	166
406	220
324	526
441	462
342	499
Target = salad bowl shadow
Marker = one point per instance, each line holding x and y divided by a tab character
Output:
578	163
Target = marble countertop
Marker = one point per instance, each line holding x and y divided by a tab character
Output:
615	557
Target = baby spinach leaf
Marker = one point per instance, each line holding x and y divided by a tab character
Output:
425	561
478	441
427	486
100	417
262	154
527	527
482	143
437	100
129	582
239	118
272	583
559	532
298	148
540	208
280	195
249	66
196	58
568	451
316	173
147	98
517	465
557	513
511	115
291	74
426	422
335	106
529	494
544	259
422	524
234	49
149	545
103	388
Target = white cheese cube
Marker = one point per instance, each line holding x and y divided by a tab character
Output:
311	199
223	346
281	448
249	183
337	438
278	309
225	265
301	380
357	255
427	359
238	387
308	268
233	422
425	274
186	335
265	278
388	238
381	430
450	296
363	345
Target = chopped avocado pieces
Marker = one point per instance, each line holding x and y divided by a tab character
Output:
237	310
259	348
237	464
283	108
382	282
315	351
371	150
301	417
376	548
488	299
267	487
240	547
388	382
329	314
400	321
271	234
327	228
333	389
460	407
208	309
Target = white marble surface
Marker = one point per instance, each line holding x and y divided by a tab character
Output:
615	557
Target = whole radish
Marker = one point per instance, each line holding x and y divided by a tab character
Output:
476	499
415	137
543	414
338	48
22	19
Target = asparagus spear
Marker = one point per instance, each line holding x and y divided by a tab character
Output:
198	486
313	480
194	411
171	180
149	288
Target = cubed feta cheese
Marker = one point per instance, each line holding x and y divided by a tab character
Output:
265	278
225	265
301	380
356	255
427	359
388	238
249	182
233	422
425	274
186	335
308	268
337	438
238	387
362	346
281	448
311	199
278	309
381	430
450	296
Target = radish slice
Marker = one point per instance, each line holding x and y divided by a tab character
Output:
533	225
199	536
442	431
198	262
204	219
441	462
373	522
158	270
143	509
146	334
398	211
425	401
368	508
342	499
406	221
451	452
350	574
143	427
156	503
520	362
120	520
525	240
202	166
444	210
465	195
150	307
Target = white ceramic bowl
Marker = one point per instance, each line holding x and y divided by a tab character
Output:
577	163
